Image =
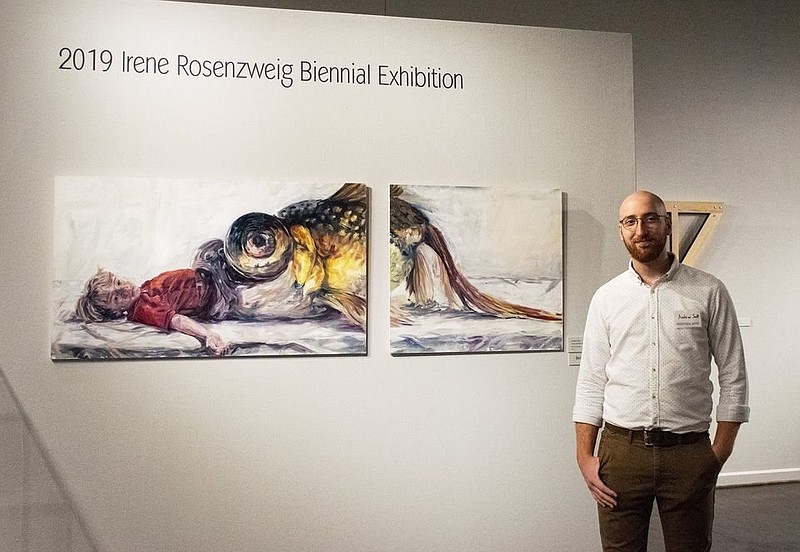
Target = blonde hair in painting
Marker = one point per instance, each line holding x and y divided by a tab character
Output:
90	307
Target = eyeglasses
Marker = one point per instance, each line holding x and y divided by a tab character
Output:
649	220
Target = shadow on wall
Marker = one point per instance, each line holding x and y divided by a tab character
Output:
33	512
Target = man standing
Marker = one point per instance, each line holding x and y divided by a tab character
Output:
650	336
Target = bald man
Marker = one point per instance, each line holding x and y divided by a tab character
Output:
650	337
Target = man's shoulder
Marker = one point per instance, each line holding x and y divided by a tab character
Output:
614	290
696	276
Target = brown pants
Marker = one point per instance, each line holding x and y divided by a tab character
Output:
680	478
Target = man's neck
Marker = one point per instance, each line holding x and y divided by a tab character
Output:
652	271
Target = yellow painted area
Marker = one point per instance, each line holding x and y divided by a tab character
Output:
346	269
330	261
306	265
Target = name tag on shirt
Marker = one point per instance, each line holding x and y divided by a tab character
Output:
689	319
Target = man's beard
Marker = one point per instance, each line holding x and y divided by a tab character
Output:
646	255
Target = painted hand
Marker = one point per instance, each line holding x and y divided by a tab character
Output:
216	345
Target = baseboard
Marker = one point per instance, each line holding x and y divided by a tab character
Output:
758	477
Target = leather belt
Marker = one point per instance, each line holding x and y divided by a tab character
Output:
656	437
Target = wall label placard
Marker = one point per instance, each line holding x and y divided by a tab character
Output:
284	73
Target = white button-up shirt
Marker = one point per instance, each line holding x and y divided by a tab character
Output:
647	352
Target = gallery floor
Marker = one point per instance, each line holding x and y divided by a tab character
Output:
760	518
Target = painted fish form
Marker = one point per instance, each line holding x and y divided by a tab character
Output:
421	258
308	259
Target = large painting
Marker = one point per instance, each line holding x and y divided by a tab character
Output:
156	268
475	269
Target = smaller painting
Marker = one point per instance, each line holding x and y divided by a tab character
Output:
475	269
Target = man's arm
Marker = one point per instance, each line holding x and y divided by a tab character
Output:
589	464
724	439
211	339
728	353
589	397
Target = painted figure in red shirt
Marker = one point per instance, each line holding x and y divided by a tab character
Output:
173	300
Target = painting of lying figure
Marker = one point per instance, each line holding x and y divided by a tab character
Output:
289	283
475	269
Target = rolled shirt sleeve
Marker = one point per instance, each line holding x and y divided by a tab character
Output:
728	351
592	378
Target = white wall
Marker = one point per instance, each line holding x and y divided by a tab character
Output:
377	453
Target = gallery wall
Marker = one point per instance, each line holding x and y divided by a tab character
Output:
473	453
351	453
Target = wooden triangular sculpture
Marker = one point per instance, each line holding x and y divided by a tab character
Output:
693	222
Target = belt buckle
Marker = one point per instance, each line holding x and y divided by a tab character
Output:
653	437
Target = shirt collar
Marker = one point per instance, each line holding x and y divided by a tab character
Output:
670	274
